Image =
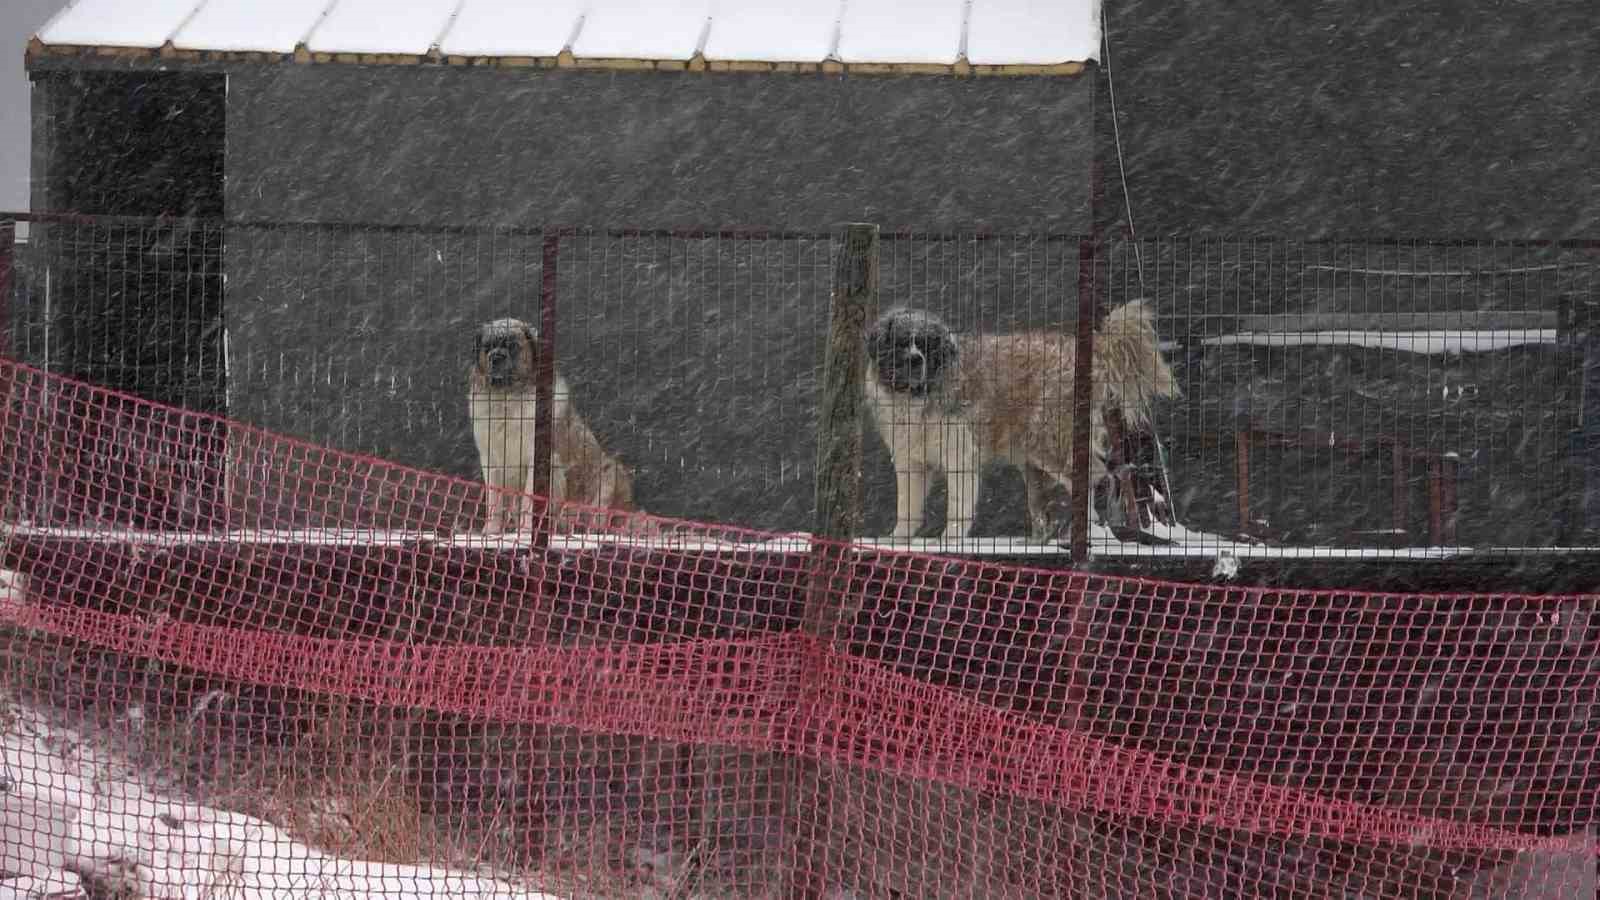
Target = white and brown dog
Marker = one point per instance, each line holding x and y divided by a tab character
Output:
951	404
502	402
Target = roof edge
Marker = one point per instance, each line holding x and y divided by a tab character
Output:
39	52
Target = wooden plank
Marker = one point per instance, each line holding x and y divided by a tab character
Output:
841	410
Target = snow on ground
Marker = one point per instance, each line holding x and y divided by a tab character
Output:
72	815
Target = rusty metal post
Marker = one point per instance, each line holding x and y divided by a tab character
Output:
544	391
8	245
1402	491
544	626
1241	463
1082	400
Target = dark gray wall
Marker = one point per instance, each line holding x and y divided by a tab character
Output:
694	360
130	143
1439	118
432	145
136	305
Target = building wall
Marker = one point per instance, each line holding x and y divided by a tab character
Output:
1430	120
136	306
1436	119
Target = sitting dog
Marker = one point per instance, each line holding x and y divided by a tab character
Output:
502	403
952	404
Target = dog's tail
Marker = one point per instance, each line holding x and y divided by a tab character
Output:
1129	370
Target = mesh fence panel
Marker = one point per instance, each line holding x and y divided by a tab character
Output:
640	710
253	639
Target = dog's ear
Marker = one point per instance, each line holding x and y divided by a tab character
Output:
530	340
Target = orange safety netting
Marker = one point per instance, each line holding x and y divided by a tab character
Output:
323	641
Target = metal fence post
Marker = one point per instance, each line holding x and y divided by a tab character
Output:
8	246
1083	371
838	520
544	390
545	626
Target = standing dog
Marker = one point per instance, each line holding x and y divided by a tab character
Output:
951	404
503	405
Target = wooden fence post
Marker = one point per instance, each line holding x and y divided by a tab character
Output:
841	406
838	520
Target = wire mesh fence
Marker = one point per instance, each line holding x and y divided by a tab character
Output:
1398	394
1397	400
417	712
245	564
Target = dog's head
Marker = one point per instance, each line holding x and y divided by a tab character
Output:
912	350
505	352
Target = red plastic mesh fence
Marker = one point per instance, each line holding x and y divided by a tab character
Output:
236	662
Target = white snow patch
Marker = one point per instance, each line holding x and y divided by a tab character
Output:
13	591
998	32
513	29
1226	567
628	29
771	31
1028	32
886	31
1426	342
381	26
240	26
117	23
72	807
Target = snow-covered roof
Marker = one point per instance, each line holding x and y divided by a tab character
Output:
959	36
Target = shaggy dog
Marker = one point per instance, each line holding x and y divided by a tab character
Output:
948	403
502	403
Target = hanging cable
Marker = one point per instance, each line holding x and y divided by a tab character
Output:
1116	138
